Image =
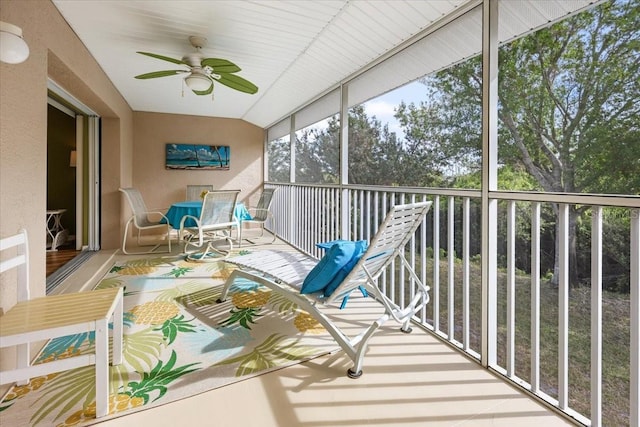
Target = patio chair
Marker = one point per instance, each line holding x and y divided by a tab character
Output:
285	273
261	213
194	192
33	320
141	221
214	224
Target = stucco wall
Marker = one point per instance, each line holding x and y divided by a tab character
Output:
55	52
58	54
160	187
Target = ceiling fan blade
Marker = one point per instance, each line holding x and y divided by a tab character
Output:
204	92
237	83
164	58
155	74
220	65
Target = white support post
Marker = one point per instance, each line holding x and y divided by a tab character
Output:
489	180
293	207
344	162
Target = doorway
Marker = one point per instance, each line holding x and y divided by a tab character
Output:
73	142
61	186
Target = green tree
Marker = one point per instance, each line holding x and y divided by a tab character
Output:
317	153
279	154
375	154
569	104
580	93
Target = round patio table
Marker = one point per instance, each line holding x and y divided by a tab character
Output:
193	208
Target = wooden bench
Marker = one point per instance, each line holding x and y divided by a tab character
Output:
38	319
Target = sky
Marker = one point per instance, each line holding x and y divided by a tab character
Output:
383	107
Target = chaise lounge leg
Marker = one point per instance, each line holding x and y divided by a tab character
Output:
354	375
227	285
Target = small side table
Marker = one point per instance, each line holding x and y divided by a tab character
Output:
56	234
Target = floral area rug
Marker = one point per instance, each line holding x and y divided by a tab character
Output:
178	342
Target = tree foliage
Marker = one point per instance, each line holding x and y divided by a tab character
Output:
569	104
569	122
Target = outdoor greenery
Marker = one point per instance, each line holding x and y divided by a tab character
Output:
615	345
569	122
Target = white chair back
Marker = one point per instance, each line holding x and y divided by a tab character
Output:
194	191
218	207
262	209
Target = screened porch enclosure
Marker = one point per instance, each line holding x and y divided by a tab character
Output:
538	329
505	115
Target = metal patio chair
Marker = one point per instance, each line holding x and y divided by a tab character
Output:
141	221
261	213
215	223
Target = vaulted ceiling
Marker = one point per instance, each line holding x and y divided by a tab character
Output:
293	50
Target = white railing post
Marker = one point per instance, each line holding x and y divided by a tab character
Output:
436	263
511	286
294	216
466	202
535	297
345	214
563	306
423	259
383	285
634	404
596	316
451	256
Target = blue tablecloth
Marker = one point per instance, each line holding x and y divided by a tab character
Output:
193	208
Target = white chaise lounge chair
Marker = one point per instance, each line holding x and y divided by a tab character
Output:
285	272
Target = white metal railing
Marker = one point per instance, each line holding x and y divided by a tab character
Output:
446	249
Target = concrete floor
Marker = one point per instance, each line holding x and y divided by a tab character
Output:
409	380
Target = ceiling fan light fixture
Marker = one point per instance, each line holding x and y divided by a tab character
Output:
198	82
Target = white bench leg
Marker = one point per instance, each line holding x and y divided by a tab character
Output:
102	368
117	333
24	360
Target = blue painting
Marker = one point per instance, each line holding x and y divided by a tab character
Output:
193	156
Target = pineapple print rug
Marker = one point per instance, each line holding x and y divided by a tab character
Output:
178	342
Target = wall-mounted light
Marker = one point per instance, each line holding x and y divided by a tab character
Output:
13	48
73	159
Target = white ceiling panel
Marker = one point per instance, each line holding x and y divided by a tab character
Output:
293	50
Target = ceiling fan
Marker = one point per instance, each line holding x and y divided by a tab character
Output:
203	72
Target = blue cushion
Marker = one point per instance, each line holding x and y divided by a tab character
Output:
327	245
330	264
359	248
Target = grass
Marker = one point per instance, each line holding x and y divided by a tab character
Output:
615	337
